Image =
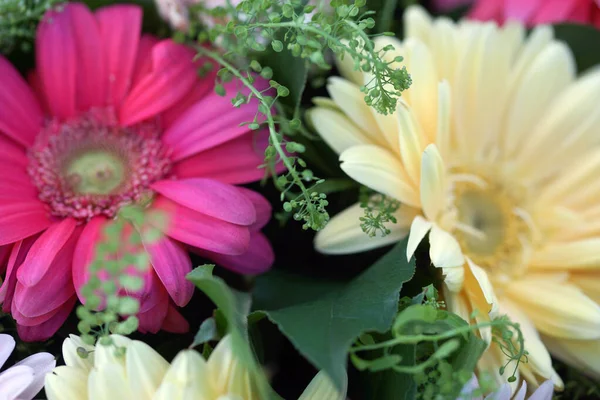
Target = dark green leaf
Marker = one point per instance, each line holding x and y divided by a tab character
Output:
323	319
584	42
206	333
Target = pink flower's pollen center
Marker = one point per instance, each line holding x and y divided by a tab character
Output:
90	166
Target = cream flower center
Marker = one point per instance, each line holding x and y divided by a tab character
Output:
490	227
96	172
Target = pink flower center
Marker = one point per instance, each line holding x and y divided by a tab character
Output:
91	166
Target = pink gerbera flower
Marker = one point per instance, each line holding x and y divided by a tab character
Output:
112	118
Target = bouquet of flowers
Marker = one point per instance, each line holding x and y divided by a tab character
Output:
294	199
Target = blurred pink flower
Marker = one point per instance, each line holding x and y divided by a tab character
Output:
544	392
26	378
536	12
111	118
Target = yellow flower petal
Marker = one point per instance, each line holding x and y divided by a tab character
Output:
343	234
187	379
444	250
380	170
145	369
576	254
581	354
556	308
345	65
418	229
336	129
433	183
442	138
411	143
417	23
322	388
109	382
66	383
72	359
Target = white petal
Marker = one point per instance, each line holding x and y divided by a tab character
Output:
501	394
72	359
322	388
468	389
444	250
522	392
15	380
556	308
66	383
433	183
145	369
343	234
544	392
187	378
109	382
41	364
7	345
109	354
380	170
418	229
336	129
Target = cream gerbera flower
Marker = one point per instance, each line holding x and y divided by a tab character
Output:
494	153
129	369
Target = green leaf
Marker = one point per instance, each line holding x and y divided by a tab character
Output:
390	384
206	333
583	41
234	306
323	319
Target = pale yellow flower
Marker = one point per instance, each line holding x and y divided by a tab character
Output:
493	152
129	369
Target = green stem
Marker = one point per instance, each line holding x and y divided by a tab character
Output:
270	122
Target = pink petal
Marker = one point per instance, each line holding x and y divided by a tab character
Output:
36	85
143	62
173	75
120	27
92	79
209	197
581	13
202	231
42	364
11	151
85	252
172	263
520	10
20	115
56	61
152	320
174	322
553	11
209	123
258	259
44	251
18	221
4	255
53	290
485	10
201	89
47	329
261	205
7	345
16	258
234	162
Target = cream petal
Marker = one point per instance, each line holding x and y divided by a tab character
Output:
589	282
581	354
336	129
538	359
343	234
66	383
417	23
553	64
221	363
557	308
322	388
422	94
380	170
72	359
443	47
433	183
109	382
490	363
411	142
145	369
418	229
107	354
187	378
444	250
454	278
351	101
486	286
444	119
535	43
575	254
345	65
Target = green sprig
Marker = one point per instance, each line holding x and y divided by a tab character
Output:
18	21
